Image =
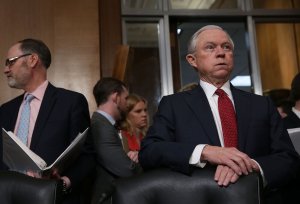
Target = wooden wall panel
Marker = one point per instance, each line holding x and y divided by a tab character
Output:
277	54
273	4
71	30
110	34
296	4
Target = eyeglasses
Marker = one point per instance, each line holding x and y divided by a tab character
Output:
9	62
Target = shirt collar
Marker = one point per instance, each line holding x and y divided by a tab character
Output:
39	92
210	89
107	116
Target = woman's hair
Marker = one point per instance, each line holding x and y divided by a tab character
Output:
131	101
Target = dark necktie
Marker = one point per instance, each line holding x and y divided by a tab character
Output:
23	128
228	119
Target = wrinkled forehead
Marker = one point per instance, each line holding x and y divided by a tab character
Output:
213	36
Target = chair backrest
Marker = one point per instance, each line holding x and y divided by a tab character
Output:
295	137
17	188
163	186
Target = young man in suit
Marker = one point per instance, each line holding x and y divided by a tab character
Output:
188	128
112	161
293	118
56	115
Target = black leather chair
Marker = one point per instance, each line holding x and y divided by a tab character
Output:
163	186
17	188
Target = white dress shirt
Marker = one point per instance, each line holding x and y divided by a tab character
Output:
212	98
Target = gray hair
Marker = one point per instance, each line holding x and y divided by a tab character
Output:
193	41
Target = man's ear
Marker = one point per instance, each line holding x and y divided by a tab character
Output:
114	97
191	60
33	60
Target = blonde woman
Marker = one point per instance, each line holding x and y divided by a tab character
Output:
134	127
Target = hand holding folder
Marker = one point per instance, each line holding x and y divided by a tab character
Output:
17	156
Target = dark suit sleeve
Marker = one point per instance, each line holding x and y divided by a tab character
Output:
291	121
8	116
281	154
80	117
1	142
80	120
109	151
159	147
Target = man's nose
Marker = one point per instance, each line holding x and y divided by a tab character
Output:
6	69
220	51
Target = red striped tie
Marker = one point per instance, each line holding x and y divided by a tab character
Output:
228	119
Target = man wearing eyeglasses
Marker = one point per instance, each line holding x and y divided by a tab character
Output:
56	115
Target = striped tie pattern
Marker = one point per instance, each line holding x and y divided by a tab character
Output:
23	128
228	119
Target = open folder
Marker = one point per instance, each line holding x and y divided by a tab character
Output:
18	157
295	137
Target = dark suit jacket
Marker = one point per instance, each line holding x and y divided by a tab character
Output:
292	120
185	120
112	161
62	115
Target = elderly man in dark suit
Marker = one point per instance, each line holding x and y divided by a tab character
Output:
56	115
190	128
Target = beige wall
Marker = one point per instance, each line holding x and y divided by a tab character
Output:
71	30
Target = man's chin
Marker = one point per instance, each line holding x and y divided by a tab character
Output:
13	84
222	74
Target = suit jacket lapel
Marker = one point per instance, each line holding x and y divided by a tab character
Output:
198	102
14	113
242	107
44	112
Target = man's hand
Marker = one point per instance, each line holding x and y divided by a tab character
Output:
66	180
239	162
134	156
225	176
33	174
